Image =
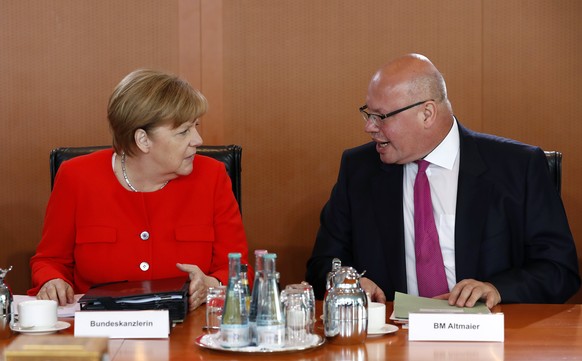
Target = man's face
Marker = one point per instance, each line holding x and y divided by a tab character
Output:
399	137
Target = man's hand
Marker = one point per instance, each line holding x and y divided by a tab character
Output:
57	290
199	283
467	292
376	293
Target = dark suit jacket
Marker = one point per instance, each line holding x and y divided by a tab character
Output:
511	228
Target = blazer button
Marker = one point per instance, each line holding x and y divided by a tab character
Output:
144	235
144	266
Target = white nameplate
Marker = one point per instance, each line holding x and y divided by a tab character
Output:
123	324
456	327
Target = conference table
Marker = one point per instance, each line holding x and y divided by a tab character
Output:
532	332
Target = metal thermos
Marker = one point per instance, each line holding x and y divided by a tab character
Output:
336	264
5	305
345	308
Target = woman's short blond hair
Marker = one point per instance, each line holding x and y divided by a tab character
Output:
146	99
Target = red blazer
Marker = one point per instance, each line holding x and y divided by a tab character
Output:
96	231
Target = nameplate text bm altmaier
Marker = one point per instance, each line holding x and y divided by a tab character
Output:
123	324
456	327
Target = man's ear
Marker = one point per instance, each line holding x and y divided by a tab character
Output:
429	112
142	140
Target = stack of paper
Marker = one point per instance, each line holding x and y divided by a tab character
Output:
405	304
63	311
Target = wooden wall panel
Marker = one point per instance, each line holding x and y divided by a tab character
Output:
211	70
295	73
532	83
59	62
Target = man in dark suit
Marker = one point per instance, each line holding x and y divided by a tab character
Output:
502	228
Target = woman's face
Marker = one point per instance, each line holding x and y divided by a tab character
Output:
172	149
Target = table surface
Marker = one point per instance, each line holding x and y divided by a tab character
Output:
532	332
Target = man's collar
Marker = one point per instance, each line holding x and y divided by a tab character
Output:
446	152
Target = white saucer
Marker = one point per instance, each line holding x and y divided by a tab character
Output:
387	328
60	325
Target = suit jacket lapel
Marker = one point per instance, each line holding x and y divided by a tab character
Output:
387	186
473	195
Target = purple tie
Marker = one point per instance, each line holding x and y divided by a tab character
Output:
430	269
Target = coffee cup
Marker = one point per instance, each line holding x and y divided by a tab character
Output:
37	314
376	316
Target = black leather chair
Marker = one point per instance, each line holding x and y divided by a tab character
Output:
555	164
230	155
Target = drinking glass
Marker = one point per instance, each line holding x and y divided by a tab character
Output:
214	307
297	317
309	300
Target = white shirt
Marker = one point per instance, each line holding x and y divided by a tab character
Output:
443	176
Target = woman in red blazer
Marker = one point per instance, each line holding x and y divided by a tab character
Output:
149	208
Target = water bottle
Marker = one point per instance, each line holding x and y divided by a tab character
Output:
245	283
234	327
5	305
259	278
270	317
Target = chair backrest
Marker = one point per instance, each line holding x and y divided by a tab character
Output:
230	155
555	165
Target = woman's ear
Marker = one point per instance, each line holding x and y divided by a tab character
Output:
142	140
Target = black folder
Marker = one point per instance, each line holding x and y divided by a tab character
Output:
162	294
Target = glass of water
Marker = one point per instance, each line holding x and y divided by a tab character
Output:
214	306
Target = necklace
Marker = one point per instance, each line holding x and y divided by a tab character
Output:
125	175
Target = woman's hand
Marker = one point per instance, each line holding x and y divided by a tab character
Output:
199	283
57	290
